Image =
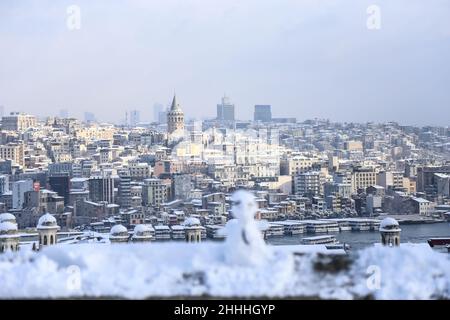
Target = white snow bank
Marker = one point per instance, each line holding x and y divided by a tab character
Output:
182	269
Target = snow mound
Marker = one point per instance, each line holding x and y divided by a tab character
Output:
7	217
181	269
7	226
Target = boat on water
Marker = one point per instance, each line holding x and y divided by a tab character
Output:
325	239
214	232
359	224
292	227
162	232
178	232
321	226
274	230
344	225
444	241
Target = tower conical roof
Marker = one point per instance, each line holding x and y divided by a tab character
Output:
175	106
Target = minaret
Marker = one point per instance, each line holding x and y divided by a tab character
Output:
175	117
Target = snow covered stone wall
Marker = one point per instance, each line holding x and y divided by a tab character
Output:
182	269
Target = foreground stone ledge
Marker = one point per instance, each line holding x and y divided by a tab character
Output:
200	271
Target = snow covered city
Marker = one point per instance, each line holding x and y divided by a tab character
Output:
203	150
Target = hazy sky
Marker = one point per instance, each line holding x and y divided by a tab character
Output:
307	59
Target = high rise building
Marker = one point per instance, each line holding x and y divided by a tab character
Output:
89	117
263	113
19	188
4	183
101	188
157	109
125	188
61	185
134	118
175	117
64	113
225	110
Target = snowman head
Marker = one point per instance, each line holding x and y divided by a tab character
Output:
244	206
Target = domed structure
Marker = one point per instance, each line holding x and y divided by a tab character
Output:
193	229
191	221
7	217
118	234
141	233
9	238
47	228
175	118
390	232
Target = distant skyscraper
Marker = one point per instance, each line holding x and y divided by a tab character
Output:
134	117
89	117
163	117
225	110
263	113
2	111
157	109
61	185
63	113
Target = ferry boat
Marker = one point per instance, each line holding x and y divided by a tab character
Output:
214	232
361	224
439	241
321	226
325	239
275	230
162	232
375	225
343	224
292	227
178	232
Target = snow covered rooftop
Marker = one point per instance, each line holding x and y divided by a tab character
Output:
118	229
47	221
389	224
7	217
191	221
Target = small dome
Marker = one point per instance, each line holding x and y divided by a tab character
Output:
191	221
118	229
7	227
389	224
142	232
7	217
141	228
47	221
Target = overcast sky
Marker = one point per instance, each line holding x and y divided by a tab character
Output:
307	59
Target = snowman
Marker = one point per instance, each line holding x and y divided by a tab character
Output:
244	244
